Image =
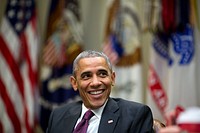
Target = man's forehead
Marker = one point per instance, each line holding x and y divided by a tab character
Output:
92	63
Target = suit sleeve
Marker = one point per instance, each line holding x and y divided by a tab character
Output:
143	122
48	130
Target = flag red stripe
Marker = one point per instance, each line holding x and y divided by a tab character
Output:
9	108
27	56
28	127
12	65
16	73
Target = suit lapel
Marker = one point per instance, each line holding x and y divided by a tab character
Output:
70	122
109	118
71	119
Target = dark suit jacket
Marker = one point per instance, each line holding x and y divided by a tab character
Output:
128	117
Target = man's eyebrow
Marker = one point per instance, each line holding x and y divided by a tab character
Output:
103	70
86	72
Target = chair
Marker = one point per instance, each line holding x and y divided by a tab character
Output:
157	125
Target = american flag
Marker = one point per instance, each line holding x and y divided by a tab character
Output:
109	50
18	67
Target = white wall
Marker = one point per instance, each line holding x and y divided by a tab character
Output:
94	16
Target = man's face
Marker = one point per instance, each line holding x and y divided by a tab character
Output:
94	81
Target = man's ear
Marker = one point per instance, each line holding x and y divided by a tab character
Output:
113	78
74	83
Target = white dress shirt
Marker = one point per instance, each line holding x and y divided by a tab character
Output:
94	121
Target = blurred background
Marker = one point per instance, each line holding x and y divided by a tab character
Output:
153	44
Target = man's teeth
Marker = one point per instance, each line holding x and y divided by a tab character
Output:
96	92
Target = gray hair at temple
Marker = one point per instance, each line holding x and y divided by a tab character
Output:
88	54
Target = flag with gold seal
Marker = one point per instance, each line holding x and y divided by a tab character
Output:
122	45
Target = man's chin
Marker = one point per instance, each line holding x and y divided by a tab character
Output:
96	105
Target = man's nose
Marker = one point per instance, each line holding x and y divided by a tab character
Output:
95	81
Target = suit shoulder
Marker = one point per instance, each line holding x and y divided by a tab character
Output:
126	104
67	108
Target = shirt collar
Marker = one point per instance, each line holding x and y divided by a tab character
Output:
98	112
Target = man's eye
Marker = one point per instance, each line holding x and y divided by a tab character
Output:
103	74
85	76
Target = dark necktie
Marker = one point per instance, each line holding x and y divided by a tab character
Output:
83	124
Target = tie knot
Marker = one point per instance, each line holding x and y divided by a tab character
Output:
88	115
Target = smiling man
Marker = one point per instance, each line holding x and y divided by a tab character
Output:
93	77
